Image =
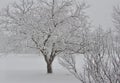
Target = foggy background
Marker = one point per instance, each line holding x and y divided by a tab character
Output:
100	11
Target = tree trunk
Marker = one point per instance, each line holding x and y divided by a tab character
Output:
49	68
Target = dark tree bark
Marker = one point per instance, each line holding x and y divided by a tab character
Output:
49	68
49	63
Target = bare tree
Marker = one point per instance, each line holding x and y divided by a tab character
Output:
46	25
116	17
101	63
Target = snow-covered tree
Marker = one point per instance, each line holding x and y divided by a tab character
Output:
50	26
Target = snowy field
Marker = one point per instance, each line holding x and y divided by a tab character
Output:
32	69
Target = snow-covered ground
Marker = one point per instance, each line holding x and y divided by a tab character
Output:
32	69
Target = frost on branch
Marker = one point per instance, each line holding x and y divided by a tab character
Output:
49	26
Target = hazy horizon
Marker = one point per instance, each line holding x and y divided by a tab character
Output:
100	11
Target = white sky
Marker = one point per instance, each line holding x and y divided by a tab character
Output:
100	11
